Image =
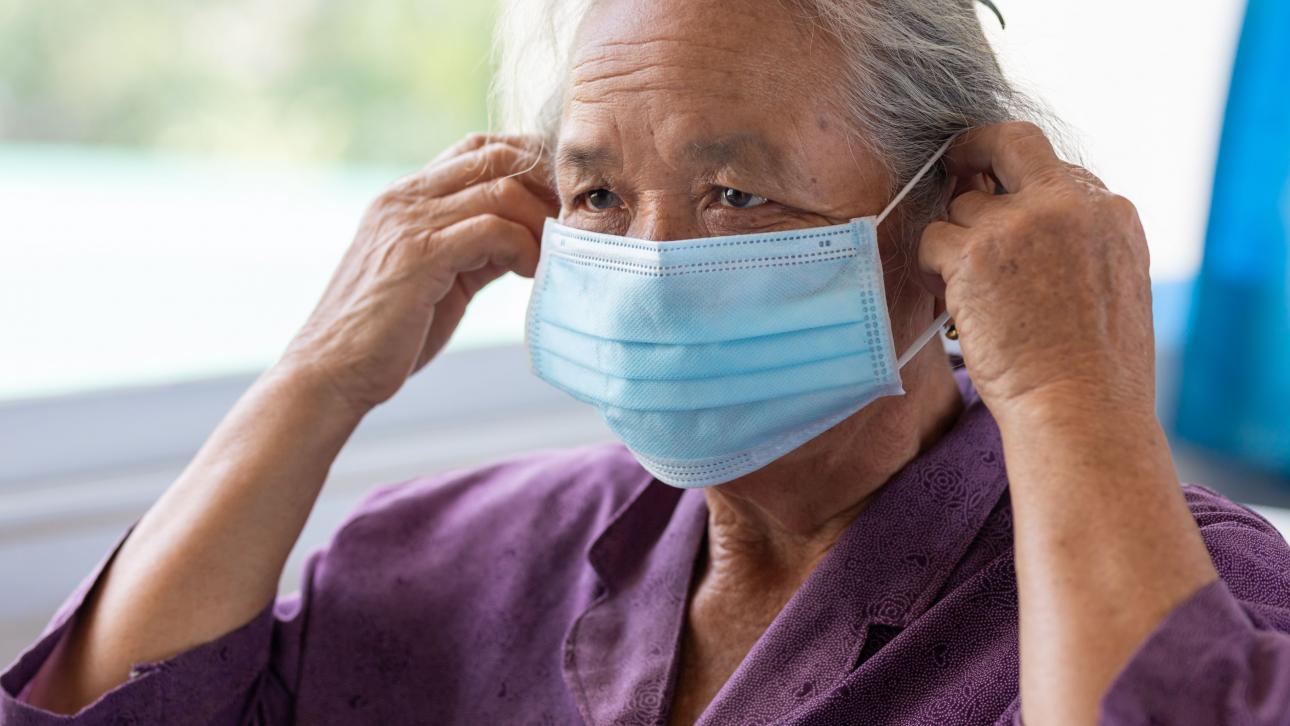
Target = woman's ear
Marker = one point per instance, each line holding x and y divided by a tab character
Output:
956	185
977	182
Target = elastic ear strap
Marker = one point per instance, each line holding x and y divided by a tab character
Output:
922	340
917	177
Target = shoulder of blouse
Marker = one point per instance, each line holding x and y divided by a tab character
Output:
1249	553
550	498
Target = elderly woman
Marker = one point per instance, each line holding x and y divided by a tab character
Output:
799	526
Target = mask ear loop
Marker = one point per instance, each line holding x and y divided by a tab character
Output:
923	339
900	196
931	331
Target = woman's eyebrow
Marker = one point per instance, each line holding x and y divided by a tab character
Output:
746	152
587	160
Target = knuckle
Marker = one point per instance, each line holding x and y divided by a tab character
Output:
398	192
424	237
932	241
499	154
401	253
964	202
488	223
1122	207
506	192
475	139
386	206
935	228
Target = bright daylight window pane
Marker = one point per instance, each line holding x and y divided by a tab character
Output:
178	180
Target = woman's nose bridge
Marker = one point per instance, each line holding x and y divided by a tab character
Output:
665	219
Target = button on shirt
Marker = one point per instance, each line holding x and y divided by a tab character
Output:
551	589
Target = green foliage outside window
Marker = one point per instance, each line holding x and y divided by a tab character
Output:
387	82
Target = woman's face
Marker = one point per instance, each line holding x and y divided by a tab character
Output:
693	118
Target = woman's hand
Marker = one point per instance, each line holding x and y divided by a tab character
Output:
423	249
208	555
1048	286
1048	283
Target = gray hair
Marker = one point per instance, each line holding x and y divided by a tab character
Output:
917	71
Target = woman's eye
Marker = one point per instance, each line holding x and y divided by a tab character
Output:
740	200
602	199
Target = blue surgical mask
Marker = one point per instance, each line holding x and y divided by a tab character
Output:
710	358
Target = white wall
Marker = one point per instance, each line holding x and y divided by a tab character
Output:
1142	84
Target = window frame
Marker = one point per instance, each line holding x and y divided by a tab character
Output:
113	430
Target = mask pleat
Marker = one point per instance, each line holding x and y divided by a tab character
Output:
704	308
673	362
709	392
751	429
710	357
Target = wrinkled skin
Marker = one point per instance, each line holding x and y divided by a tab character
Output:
689	118
423	249
1048	284
665	118
675	128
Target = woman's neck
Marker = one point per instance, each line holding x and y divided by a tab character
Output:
776	523
767	531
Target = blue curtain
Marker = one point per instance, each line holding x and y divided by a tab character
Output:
1235	396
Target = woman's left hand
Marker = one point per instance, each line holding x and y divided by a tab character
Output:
1047	283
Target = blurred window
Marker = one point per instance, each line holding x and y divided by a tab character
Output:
177	179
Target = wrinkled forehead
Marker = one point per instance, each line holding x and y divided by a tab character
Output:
766	42
695	81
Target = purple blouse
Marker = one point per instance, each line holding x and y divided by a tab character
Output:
551	589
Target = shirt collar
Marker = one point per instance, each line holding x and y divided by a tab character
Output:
887	568
620	653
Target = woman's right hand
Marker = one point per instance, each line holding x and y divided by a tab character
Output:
209	554
423	249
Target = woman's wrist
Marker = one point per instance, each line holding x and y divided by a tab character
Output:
1076	411
309	386
1093	439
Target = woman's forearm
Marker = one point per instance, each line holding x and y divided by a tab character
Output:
1105	547
208	555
